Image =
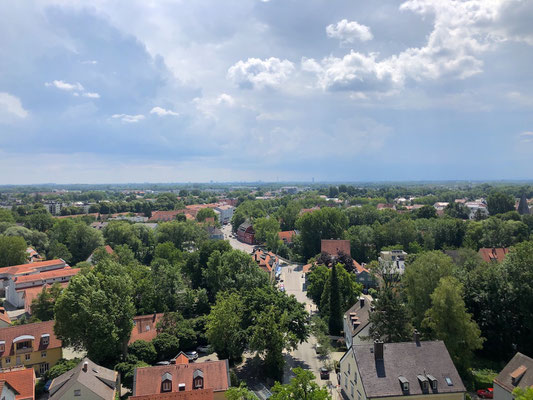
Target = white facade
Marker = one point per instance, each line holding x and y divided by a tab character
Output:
474	207
395	260
501	394
225	213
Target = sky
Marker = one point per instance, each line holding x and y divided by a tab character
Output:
274	90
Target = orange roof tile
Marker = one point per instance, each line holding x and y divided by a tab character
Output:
148	379
144	327
333	247
197	394
31	293
3	315
25	268
493	254
287	236
56	273
22	380
36	329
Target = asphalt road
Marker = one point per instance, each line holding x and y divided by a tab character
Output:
226	229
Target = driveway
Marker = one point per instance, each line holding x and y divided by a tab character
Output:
226	229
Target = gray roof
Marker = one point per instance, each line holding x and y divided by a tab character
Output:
99	380
244	226
361	313
409	359
525	379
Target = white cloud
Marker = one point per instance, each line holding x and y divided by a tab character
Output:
526	137
209	105
257	73
349	31
129	118
62	85
163	112
92	62
10	104
91	95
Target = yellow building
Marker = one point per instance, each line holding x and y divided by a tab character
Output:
392	371
32	345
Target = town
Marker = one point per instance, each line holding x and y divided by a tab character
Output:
256	291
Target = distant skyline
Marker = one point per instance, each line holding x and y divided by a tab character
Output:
248	90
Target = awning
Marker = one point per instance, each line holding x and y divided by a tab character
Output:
45	335
23	337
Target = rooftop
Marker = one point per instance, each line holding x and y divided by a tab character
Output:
517	373
144	327
36	330
22	380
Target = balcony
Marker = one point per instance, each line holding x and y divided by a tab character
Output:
24	350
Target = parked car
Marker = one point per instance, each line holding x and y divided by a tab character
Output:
162	363
193	355
486	393
324	373
203	349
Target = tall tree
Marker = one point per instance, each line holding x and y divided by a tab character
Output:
264	228
42	307
499	203
448	320
302	387
12	250
335	311
389	319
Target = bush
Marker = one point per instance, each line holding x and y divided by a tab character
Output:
483	378
144	351
166	346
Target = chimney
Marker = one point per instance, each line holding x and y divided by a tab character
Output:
416	337
153	318
378	350
362	302
85	366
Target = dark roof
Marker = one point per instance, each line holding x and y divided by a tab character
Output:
523	207
408	360
362	315
244	226
99	380
522	378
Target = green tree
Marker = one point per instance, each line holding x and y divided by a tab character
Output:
174	324
40	220
335	310
240	393
426	212
264	228
42	307
183	235
95	312
205	213
62	366
6	216
420	279
59	250
126	369
388	320
143	351
316	282
499	203
12	250
302	387
448	320
166	346
523	393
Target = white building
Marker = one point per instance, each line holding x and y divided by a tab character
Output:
53	207
476	206
225	213
395	260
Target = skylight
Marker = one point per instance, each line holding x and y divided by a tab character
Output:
449	381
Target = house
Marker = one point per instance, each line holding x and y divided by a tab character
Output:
423	370
163	382
246	233
33	255
88	381
287	236
108	249
21	380
494	254
267	261
225	213
363	275
357	322
477	207
334	247
308	210
517	373
17	285
30	294
385	206
215	233
4	318
145	327
30	345
440	205
99	225
394	259
7	392
163	216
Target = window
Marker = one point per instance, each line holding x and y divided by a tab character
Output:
449	381
405	386
434	385
358	395
424	385
198	382
77	392
166	386
18	360
181	387
2	347
43	367
27	357
355	378
346	382
46	340
352	390
43	354
8	360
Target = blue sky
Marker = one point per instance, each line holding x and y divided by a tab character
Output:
178	91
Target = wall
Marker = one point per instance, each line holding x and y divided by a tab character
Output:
7	394
501	394
85	393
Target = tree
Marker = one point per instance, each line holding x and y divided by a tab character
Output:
205	213
316	282
12	250
59	250
426	212
95	312
523	393
240	393
302	387
42	307
126	369
224	326
166	346
143	351
335	310
265	228
40	220
174	324
420	279
6	216
182	234
457	210
499	203
82	240
388	320
448	320
62	366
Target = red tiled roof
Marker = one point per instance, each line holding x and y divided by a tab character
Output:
306	268
493	254
165	215
382	206
197	394
265	260
108	249
286	236
359	268
25	268
22	380
31	293
36	329
56	273
308	210
148	379
333	247
4	317
144	327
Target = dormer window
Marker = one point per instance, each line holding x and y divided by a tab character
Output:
198	379
166	382
424	383
181	387
433	382
45	339
405	384
2	346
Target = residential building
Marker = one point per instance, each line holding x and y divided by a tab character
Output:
394	259
4	318
357	322
423	370
308	210
334	247
17	285
53	207
22	380
163	216
385	206
33	255
30	345
267	261
166	380
440	205
287	236
363	275
494	254
225	213
246	233
88	381
30	294
517	373
477	207
145	327
214	233
7	392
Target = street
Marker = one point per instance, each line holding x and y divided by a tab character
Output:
226	230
